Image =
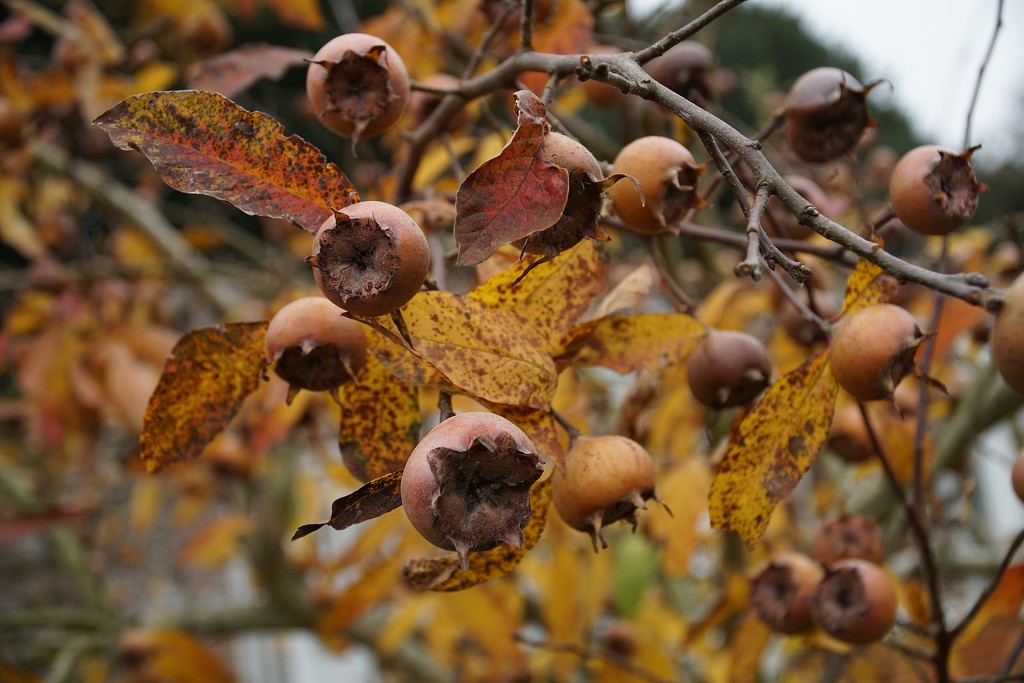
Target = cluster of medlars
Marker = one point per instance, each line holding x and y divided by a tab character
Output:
841	589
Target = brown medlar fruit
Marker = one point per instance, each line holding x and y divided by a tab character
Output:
781	590
848	536
603	479
826	114
370	258
728	369
466	485
311	346
358	85
873	350
855	602
934	191
1008	336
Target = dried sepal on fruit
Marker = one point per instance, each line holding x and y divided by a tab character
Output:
602	480
466	485
311	346
934	191
855	602
728	369
668	174
781	590
826	114
358	85
873	350
370	258
1008	336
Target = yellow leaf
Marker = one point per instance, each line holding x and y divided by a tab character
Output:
302	14
868	284
745	649
445	574
377	582
554	294
485	352
684	488
626	343
380	421
15	228
172	656
215	543
774	446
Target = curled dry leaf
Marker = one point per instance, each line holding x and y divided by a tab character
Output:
369	501
232	72
242	157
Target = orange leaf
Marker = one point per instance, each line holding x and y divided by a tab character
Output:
232	72
514	194
380	421
773	447
210	372
984	645
485	352
566	32
369	501
445	574
203	143
556	293
625	343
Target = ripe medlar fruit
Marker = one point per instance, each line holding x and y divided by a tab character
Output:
370	258
668	174
466	485
934	191
826	114
311	346
873	350
1008	336
603	479
728	369
1017	476
848	536
781	590
358	85
855	602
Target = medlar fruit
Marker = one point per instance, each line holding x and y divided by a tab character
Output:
728	369
1017	476
466	485
848	536
358	85
873	350
370	258
311	346
855	602
668	174
826	114
603	479
934	191
1008	336
781	590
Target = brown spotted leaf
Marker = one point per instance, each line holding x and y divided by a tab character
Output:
232	72
485	352
380	421
773	447
209	373
556	293
625	343
369	501
203	143
512	195
445	574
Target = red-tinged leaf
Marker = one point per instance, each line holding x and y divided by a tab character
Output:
512	195
369	501
485	352
773	447
203	143
626	343
232	72
380	421
209	373
556	293
446	575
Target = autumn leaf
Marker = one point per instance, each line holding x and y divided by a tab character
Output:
173	656
868	284
302	14
539	425
209	373
988	640
774	446
514	194
485	352
216	542
369	501
203	143
556	293
626	343
445	574
232	72
380	421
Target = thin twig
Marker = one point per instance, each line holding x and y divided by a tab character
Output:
570	429
526	25
981	73
683	301
804	309
679	35
924	366
750	266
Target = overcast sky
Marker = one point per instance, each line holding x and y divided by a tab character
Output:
930	51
